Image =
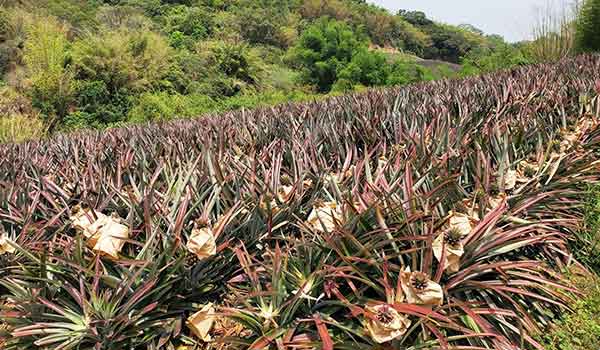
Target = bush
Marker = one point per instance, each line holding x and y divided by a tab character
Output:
122	17
135	60
323	50
405	72
158	106
185	25
5	25
579	330
270	25
587	34
6	54
18	120
367	68
46	55
164	106
97	106
233	68
19	128
485	60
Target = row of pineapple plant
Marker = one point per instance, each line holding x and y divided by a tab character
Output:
437	215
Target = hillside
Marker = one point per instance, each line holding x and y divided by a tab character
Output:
69	64
437	215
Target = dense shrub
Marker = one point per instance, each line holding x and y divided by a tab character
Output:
580	329
323	50
232	68
136	60
5	25
20	128
46	55
587	34
406	72
159	106
97	105
484	60
366	68
448	43
270	25
122	17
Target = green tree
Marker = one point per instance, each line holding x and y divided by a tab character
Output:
366	68
405	72
267	25
135	60
112	69
501	56
46	54
222	69
587	35
195	22
323	50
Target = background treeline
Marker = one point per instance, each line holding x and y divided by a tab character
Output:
67	64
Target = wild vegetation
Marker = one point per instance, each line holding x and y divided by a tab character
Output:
587	38
98	64
438	215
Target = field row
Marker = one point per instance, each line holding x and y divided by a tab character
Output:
421	217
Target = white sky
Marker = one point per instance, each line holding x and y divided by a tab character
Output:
513	19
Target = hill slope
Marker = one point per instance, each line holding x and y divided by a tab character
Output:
75	63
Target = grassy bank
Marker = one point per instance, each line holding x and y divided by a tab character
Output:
579	330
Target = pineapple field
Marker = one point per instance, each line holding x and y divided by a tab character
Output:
438	215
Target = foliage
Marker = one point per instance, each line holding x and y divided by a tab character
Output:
19	121
434	215
186	25
553	32
122	17
232	68
50	80
122	59
586	247
413	40
268	24
503	56
110	55
323	50
332	56
20	128
579	330
587	33
158	106
98	106
406	72
165	106
5	25
448	43
76	12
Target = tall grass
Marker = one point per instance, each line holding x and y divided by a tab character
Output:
19	128
554	30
